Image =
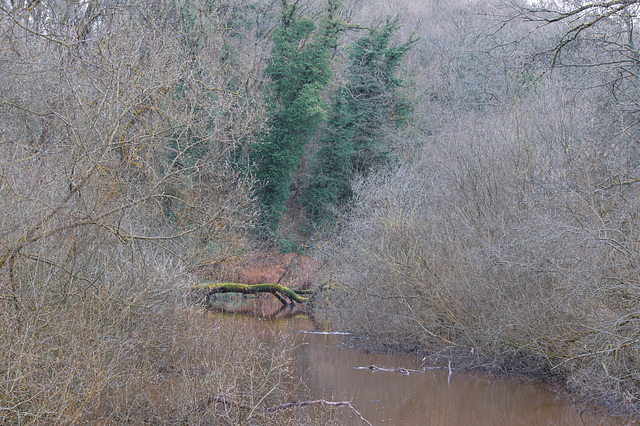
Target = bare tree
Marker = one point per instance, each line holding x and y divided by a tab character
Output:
117	182
507	238
605	28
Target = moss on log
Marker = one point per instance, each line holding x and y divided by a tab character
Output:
279	291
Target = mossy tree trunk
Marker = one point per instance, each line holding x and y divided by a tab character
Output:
284	294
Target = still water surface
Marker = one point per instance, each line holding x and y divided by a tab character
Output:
329	369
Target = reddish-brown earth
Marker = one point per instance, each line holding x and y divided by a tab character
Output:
259	267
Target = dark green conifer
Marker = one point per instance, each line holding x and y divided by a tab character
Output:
299	69
355	135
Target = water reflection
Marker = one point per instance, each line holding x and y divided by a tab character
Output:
263	306
329	370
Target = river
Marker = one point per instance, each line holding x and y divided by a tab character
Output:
334	371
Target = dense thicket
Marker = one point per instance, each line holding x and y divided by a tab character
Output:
117	121
505	235
508	238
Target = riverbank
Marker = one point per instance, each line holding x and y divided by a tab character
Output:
385	320
399	388
526	371
513	294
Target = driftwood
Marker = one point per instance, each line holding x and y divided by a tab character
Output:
284	294
374	367
318	401
221	400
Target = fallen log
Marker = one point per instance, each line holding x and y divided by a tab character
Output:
281	292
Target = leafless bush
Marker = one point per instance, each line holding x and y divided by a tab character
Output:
119	120
512	241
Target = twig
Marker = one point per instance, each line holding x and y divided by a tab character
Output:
287	268
324	333
218	399
317	401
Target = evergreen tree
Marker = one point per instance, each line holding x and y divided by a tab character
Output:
332	164
363	109
299	69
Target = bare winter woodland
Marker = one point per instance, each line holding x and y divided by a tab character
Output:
505	233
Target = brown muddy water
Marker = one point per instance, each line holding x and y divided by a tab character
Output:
334	371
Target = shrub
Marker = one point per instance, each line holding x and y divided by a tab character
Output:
114	188
510	244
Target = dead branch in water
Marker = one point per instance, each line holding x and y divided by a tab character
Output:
215	399
374	367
